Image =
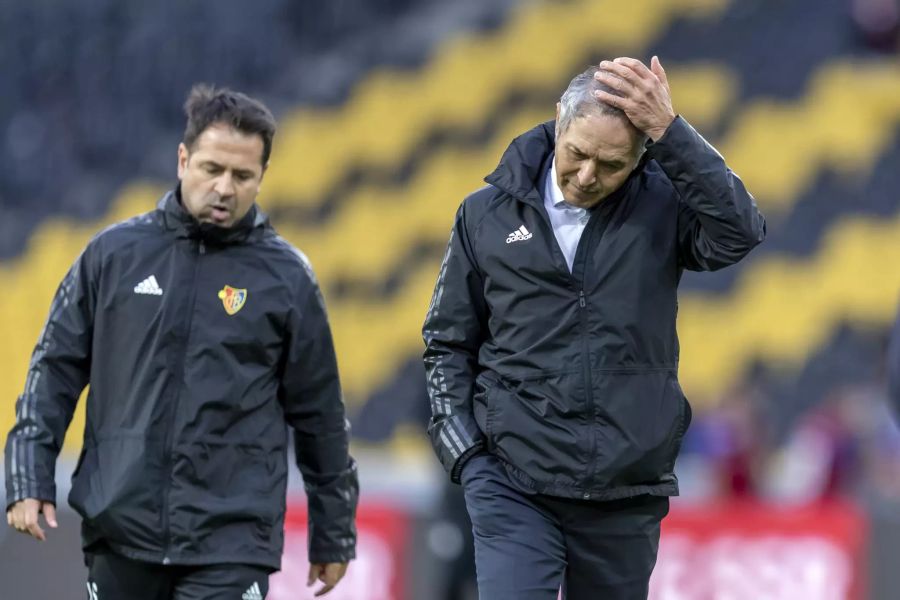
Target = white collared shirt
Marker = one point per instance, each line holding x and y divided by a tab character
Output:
568	221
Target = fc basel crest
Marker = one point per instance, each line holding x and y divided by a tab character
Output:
233	299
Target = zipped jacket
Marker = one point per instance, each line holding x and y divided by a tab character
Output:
570	378
203	347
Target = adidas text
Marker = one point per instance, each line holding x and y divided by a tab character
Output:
519	235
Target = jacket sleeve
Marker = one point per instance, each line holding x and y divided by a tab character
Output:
58	373
454	329
893	366
718	221
311	396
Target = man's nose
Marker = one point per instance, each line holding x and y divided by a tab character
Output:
224	185
587	175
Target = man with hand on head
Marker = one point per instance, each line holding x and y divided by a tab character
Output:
551	350
204	338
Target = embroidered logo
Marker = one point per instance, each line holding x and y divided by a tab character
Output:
253	593
149	286
233	299
519	235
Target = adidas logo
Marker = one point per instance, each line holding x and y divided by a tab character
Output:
92	590
252	593
149	286
519	235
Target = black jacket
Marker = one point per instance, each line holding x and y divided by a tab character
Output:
185	447
571	378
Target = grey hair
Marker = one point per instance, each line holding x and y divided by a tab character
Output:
579	100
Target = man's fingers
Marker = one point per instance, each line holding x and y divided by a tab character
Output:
314	571
49	514
37	533
620	70
657	69
615	75
333	573
33	527
639	68
329	574
611	99
613	81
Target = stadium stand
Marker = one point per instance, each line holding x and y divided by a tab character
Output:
82	80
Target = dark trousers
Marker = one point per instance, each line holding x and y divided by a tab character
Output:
114	577
528	546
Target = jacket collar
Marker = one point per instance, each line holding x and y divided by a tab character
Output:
525	163
176	218
521	168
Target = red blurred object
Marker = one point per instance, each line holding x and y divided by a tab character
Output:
749	550
378	571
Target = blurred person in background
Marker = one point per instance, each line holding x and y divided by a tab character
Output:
821	459
204	338
876	24
724	452
551	350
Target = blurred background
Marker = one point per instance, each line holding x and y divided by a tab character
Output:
390	112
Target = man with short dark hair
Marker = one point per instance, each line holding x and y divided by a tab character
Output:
551	352
204	338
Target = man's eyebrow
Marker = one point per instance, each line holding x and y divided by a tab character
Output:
211	163
613	162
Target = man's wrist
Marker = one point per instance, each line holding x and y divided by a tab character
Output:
656	133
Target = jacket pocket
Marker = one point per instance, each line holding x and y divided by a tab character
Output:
539	426
242	481
226	496
223	471
116	489
80	497
641	419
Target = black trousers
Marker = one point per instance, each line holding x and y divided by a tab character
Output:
114	577
529	546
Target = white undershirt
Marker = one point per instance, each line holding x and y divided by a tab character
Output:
568	221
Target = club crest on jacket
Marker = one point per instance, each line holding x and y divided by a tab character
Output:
233	299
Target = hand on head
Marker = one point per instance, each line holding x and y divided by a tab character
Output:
644	93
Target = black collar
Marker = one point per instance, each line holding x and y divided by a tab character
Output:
177	218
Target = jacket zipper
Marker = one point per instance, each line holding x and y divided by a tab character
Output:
584	244
578	280
170	435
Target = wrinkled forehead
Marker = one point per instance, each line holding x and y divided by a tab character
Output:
604	136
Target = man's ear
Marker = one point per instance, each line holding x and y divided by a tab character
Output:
183	156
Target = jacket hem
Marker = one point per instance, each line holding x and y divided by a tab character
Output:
210	559
662	488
